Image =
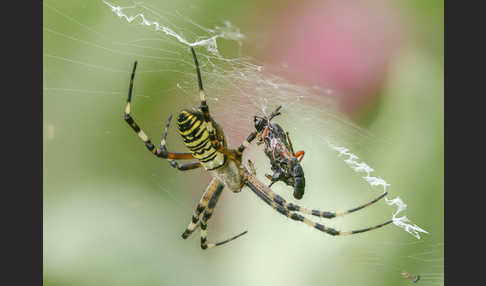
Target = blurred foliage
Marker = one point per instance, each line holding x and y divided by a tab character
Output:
113	214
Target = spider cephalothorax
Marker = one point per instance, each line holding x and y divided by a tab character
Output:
206	143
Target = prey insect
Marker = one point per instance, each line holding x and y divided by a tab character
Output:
207	145
285	163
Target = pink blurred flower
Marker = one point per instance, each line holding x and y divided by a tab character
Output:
342	45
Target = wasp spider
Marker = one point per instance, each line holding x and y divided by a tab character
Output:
207	145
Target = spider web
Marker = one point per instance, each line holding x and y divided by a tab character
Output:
251	85
237	86
425	259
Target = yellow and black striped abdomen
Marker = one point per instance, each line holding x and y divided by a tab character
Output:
193	130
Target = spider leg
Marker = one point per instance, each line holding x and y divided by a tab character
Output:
173	163
324	214
205	111
201	206
204	106
151	147
185	167
278	203
247	142
208	212
252	167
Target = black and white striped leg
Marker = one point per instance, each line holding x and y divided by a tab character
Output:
208	212
205	111
273	200
252	167
185	167
151	147
324	214
213	186
247	142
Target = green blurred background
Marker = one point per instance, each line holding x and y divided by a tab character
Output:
113	214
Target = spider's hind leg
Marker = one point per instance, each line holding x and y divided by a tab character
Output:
205	207
204	220
201	206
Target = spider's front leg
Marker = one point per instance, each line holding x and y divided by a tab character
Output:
204	106
162	153
206	115
247	142
290	210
